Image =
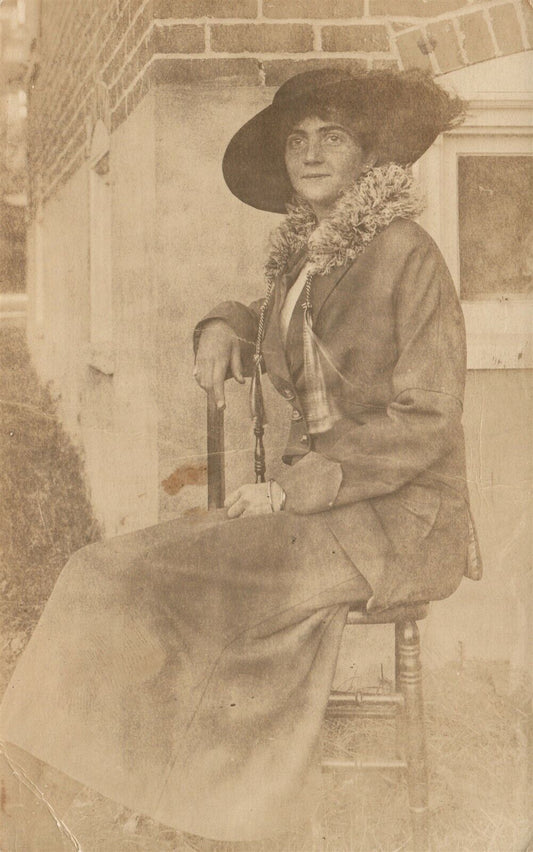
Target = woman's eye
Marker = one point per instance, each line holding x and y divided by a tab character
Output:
295	142
334	138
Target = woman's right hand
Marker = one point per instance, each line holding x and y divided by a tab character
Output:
218	354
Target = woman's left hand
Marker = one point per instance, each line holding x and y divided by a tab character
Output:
253	499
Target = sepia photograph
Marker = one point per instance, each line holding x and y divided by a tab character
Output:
266	320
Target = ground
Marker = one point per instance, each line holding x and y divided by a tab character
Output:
477	712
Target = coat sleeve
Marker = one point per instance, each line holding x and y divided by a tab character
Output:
243	319
422	422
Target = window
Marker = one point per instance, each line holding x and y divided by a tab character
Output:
495	226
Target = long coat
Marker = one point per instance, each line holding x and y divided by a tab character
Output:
390	475
184	669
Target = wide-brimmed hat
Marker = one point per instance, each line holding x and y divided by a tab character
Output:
398	114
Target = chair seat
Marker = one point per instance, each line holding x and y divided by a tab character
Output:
404	612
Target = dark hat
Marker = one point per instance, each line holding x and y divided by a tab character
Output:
397	114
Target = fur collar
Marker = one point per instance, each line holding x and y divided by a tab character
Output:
382	194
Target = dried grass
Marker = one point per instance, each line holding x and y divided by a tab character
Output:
45	514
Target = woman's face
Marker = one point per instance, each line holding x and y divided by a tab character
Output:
322	159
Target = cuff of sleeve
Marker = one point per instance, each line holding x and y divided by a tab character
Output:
235	315
311	484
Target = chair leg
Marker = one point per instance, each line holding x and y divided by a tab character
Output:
409	681
401	736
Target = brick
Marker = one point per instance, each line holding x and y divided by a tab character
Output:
313	8
122	24
527	12
276	71
240	72
135	4
136	94
506	28
385	64
119	114
399	26
142	23
205	8
80	137
262	38
182	38
476	37
114	95
415	8
145	51
355	37
106	51
411	47
138	30
129	73
76	163
119	60
447	51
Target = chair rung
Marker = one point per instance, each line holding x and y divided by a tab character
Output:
366	763
376	699
351	711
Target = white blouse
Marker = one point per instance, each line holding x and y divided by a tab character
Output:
290	301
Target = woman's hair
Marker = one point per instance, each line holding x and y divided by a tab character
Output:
382	109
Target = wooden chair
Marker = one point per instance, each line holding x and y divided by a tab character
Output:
405	703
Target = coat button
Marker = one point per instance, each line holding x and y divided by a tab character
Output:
296	415
304	439
287	393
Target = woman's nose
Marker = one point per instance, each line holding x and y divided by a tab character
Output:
313	151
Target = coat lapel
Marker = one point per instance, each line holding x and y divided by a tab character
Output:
323	285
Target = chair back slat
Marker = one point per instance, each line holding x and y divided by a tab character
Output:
216	486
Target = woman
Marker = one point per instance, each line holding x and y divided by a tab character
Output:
194	659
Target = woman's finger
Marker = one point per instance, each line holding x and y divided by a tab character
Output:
232	498
237	509
197	374
236	362
219	374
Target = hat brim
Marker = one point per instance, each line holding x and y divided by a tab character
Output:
253	164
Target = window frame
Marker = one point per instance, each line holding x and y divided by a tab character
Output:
499	330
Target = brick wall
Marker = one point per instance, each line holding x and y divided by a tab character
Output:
98	58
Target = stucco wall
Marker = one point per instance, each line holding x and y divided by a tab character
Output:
113	418
57	341
119	412
210	247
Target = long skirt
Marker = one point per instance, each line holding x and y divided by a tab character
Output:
183	670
